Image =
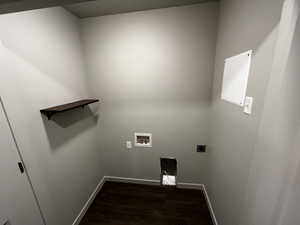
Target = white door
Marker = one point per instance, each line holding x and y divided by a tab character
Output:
17	202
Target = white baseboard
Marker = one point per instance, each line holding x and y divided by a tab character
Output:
211	210
142	181
89	202
190	186
151	182
132	180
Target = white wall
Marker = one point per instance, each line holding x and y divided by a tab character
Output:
44	67
290	93
243	25
271	191
153	72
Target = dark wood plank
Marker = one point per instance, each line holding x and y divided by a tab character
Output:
66	107
134	204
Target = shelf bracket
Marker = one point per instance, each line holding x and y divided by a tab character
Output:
49	115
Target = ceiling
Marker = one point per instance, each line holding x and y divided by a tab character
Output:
9	6
108	7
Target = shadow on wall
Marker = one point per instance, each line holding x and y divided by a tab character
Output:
63	127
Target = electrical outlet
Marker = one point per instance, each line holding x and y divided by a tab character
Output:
201	148
128	144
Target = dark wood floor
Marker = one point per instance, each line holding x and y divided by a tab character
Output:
134	204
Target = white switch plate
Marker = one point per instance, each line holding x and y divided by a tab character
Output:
248	105
128	144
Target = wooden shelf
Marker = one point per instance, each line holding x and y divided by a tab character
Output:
49	112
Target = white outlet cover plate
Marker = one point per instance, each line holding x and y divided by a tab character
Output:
128	144
248	105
